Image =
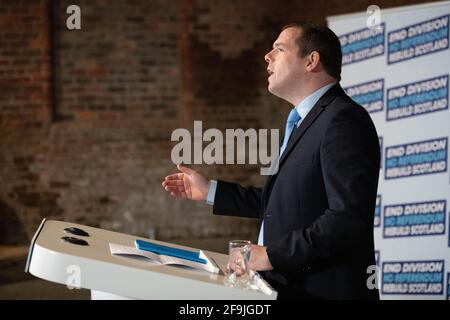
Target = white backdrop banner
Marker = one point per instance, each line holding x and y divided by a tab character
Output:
396	64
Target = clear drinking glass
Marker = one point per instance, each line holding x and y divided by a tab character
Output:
238	272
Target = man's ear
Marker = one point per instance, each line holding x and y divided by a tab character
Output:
313	61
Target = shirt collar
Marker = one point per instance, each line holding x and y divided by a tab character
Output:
308	103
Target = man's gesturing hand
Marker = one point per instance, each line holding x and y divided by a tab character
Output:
187	184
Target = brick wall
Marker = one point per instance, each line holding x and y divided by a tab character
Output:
24	114
86	115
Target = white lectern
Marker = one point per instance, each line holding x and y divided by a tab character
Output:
89	264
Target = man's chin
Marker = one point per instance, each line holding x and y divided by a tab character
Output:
272	90
276	93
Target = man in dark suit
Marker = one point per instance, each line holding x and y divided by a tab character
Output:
317	211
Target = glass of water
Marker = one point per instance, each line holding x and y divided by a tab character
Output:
238	272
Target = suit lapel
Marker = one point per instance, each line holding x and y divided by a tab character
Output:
324	101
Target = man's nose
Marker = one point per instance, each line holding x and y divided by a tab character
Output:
268	57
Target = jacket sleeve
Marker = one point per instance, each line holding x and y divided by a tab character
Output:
349	161
234	200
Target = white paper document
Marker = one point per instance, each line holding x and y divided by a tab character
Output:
210	265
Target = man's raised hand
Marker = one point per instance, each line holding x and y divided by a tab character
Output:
187	184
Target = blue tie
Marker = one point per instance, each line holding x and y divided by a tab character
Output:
291	123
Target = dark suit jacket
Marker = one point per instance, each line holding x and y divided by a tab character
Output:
318	210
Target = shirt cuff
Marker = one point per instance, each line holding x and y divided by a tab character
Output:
212	192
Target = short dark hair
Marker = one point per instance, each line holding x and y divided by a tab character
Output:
314	37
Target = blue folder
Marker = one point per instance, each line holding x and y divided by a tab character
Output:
169	251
